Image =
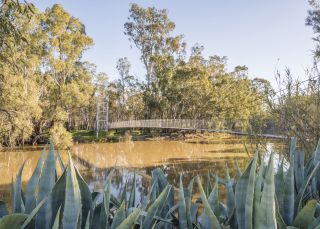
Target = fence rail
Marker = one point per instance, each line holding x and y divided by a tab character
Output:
164	123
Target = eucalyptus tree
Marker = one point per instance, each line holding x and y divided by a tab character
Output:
125	80
313	20
68	80
9	10
150	30
20	56
43	84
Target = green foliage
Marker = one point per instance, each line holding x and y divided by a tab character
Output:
43	82
252	200
60	136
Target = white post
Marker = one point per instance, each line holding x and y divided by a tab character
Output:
97	119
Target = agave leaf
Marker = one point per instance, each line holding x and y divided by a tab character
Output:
17	198
104	214
156	208
309	166
152	194
299	197
288	198
293	145
58	196
315	224
172	210
280	222
257	195
13	221
3	209
114	201
183	223
130	220
230	194
305	217
244	195
72	204
46	184
316	156
194	213
60	162
188	200
57	220
246	148
161	222
33	213
86	199
250	193
87	225
162	182
212	218
209	187
298	168
316	179
267	211
96	216
160	178
123	197
94	196
132	197
213	198
238	171
33	184
279	181
119	217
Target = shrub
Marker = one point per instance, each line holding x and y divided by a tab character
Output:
60	136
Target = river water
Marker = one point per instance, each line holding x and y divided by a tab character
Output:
189	158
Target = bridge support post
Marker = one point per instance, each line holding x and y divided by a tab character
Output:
97	120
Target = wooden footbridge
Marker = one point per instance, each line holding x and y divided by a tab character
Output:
179	124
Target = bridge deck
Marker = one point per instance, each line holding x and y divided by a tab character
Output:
181	124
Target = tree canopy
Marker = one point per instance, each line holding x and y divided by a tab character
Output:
47	90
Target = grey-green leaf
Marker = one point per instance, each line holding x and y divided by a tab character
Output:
244	195
132	197
119	217
156	208
17	199
267	211
182	207
33	184
72	204
130	220
212	218
46	184
288	198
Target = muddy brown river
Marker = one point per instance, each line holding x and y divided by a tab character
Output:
189	158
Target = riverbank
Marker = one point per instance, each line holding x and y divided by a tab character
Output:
91	136
204	137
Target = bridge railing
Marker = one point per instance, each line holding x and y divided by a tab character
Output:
164	123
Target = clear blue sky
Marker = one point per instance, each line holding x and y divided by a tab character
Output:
253	33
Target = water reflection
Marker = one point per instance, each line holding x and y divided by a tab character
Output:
95	160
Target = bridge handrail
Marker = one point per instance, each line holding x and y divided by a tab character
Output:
164	123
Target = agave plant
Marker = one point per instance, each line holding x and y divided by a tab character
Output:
256	198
